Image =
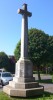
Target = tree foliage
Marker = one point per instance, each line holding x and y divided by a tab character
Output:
4	60
40	48
7	63
37	46
11	67
17	51
50	49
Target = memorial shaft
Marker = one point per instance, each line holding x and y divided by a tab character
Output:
24	31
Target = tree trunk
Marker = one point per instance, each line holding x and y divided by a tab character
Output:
39	78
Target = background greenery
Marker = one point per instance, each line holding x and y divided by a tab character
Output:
7	63
40	49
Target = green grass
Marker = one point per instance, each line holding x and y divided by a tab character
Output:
46	96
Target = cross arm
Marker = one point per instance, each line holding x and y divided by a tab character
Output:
20	11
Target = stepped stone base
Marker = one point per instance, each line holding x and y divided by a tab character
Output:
23	84
23	89
22	92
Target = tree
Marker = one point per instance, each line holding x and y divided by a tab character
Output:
17	51
50	49
7	62
39	45
4	60
12	64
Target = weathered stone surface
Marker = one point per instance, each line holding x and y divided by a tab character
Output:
21	79
24	68
23	85
23	92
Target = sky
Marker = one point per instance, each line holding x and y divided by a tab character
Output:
10	21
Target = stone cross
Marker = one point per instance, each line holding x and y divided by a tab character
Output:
24	84
24	31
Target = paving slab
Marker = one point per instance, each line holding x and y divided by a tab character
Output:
47	87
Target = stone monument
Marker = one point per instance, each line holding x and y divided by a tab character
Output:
23	84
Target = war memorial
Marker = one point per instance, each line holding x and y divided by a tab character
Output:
24	84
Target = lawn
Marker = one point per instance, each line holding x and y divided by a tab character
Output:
46	96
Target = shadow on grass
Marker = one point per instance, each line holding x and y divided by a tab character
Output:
49	81
45	95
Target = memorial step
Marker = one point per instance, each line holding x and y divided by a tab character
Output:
23	85
23	92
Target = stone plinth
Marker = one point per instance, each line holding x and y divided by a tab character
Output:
24	68
23	84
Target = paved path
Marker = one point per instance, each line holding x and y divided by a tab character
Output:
47	86
42	76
